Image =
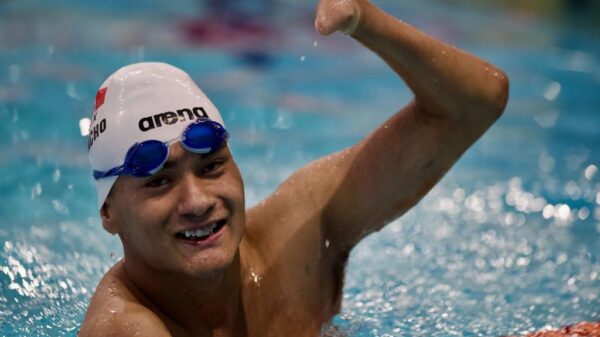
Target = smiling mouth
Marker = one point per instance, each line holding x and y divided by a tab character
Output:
201	234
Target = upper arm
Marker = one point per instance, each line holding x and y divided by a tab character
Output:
356	191
390	171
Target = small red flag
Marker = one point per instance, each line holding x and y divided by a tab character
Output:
100	98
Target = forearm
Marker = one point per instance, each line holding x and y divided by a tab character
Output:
446	81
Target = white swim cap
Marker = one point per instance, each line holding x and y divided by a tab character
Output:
139	102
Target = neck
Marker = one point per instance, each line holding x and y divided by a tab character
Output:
211	302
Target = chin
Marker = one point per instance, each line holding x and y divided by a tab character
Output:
211	266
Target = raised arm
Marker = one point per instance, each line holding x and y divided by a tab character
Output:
447	82
457	97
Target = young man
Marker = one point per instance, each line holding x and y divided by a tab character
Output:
196	262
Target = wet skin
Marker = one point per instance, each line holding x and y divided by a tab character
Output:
250	280
277	269
190	192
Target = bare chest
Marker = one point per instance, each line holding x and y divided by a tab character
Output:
290	299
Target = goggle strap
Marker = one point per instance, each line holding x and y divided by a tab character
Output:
113	171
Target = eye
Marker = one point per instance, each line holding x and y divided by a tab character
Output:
157	181
213	166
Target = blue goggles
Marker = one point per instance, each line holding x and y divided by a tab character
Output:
148	157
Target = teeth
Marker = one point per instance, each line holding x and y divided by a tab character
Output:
200	232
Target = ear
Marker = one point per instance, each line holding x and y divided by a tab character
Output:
108	221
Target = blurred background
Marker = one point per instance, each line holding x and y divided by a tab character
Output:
507	243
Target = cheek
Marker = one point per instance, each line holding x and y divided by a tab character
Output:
135	213
234	192
238	184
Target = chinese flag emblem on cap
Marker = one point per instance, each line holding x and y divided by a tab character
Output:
100	98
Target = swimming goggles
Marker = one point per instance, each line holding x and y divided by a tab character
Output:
148	157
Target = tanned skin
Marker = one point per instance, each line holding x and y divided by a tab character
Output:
277	269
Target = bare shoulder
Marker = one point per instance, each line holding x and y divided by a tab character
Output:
295	205
289	223
115	311
289	248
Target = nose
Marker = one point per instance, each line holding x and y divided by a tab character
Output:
195	200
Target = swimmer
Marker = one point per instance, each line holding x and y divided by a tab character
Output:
196	263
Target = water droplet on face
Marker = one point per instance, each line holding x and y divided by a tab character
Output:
326	243
315	43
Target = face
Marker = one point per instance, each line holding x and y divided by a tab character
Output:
188	218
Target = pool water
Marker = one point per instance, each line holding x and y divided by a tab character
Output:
508	242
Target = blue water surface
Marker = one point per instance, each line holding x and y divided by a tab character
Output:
507	243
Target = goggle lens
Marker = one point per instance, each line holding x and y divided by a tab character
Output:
204	136
146	158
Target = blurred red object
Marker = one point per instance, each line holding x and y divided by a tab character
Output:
583	329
